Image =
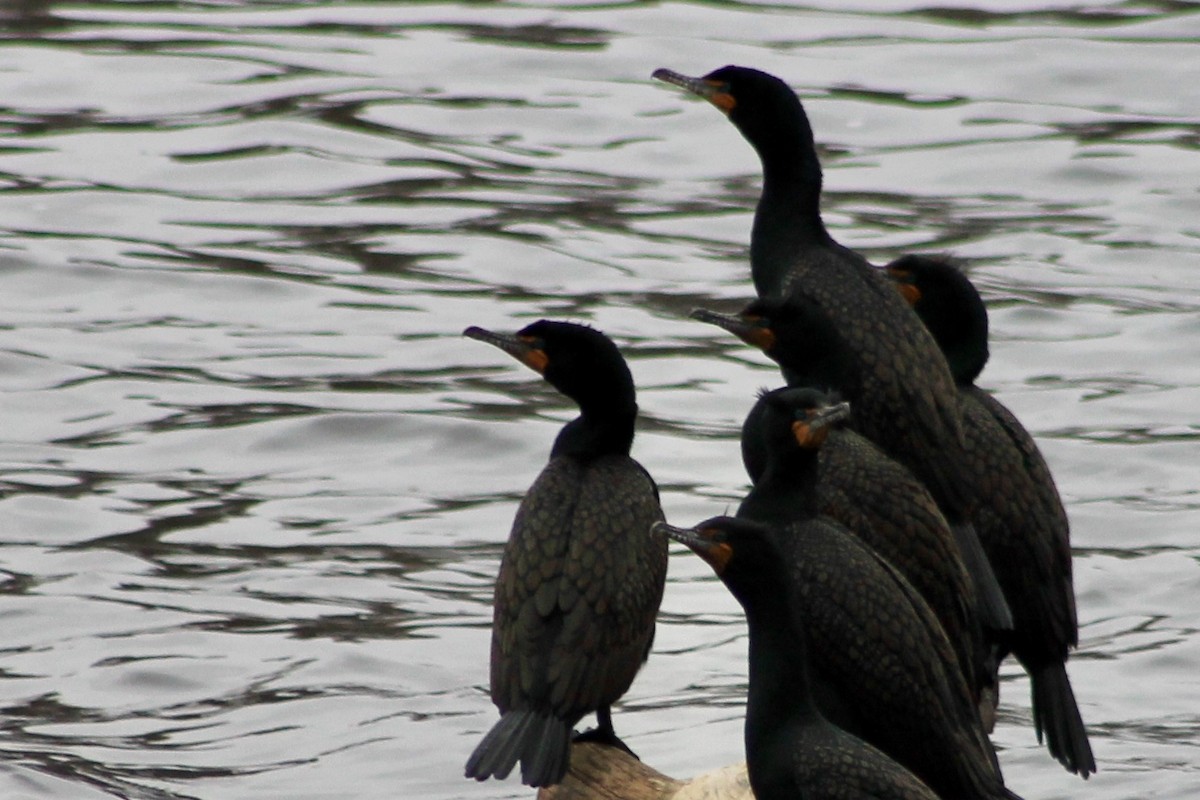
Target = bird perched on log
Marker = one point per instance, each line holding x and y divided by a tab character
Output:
581	579
792	750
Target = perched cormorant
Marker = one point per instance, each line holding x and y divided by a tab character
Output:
1020	518
813	352
904	396
581	580
882	667
881	503
791	749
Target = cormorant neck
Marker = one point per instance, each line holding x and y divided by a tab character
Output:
787	490
600	430
780	691
788	217
966	359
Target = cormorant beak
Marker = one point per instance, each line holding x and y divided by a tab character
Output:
527	350
827	416
751	330
717	554
811	431
715	92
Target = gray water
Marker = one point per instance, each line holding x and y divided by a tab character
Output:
254	484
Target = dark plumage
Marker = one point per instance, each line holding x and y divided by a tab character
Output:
1020	518
903	394
813	352
791	749
882	504
882	667
580	581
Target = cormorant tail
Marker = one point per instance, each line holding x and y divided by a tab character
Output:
540	741
545	760
1056	715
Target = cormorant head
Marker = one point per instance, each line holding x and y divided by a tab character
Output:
799	417
797	335
578	360
745	555
951	308
730	545
763	107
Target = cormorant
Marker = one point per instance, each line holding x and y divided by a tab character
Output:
791	749
882	504
882	667
1020	518
812	352
581	580
904	396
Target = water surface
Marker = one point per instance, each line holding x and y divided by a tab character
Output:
254	485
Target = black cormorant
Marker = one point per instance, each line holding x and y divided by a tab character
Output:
904	397
792	751
812	352
882	667
581	580
885	506
1020	518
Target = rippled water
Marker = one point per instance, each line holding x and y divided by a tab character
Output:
254	484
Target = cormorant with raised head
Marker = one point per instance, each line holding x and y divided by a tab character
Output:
581	580
904	396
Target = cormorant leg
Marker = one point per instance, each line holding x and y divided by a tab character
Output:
603	733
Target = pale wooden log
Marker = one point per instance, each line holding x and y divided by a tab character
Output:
599	772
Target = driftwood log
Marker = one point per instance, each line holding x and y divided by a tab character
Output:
599	772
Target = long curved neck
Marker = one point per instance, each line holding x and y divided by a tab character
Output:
824	367
787	219
780	691
602	428
810	348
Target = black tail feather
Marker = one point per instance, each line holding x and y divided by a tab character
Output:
541	743
497	753
546	758
1056	716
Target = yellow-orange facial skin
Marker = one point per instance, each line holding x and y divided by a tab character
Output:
811	432
909	292
714	91
534	358
904	284
760	336
720	97
526	349
717	554
806	437
704	542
